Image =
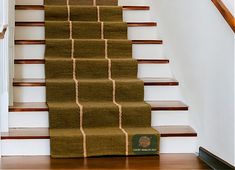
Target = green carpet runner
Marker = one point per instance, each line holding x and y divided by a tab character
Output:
96	103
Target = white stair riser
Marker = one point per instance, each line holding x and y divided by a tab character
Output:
38	15
29	33
29	94
38	33
28	147
38	94
143	33
178	145
29	15
147	51
28	119
29	51
40	119
154	70
29	71
152	93
120	2
140	51
136	16
160	118
29	2
144	70
134	3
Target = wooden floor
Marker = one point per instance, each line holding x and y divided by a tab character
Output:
164	162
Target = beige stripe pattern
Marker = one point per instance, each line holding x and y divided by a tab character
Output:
68	10
76	82
77	101
70	30
102	30
114	94
98	13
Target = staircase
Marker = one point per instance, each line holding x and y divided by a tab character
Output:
28	117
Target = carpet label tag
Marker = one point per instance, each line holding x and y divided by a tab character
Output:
144	144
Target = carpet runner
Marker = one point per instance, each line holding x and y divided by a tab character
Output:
96	102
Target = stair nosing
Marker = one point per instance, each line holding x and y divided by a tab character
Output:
147	82
178	134
42	24
5	136
42	7
153	108
41	42
140	61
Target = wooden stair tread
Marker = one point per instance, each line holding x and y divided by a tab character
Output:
153	61
147	41
29	82
28	107
140	61
167	105
29	61
176	131
130	24
43	133
42	106
41	7
26	133
38	42
160	81
147	82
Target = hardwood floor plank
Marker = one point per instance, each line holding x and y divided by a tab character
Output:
163	162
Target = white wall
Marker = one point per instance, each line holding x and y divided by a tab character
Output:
200	45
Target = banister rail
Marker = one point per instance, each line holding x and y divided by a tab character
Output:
3	30
228	16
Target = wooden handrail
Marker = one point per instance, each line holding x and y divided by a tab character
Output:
228	16
3	31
